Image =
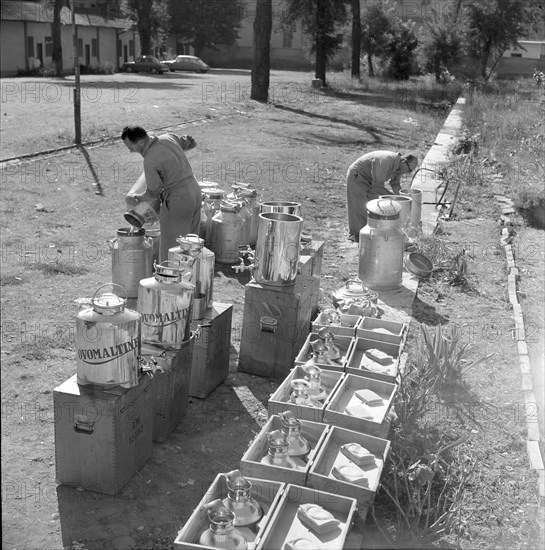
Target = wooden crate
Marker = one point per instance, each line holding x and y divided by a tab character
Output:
304	267
170	387
250	464
329	455
367	328
346	328
280	399
285	526
353	364
102	436
314	249
210	365
275	324
335	413
266	492
344	343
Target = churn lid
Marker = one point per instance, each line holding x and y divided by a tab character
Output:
227	206
383	209
131	231
108	303
213	194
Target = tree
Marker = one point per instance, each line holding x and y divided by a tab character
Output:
262	48
319	19
495	25
150	18
56	40
399	52
356	38
206	23
441	42
377	22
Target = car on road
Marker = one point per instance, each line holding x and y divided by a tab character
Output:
187	63
145	64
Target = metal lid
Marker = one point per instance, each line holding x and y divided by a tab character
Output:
227	206
131	231
108	303
383	209
213	194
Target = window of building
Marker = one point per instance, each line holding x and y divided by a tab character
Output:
131	48
287	39
94	47
30	46
48	46
80	47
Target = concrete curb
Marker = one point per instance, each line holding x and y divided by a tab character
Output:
535	456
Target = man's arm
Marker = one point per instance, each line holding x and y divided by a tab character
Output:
186	142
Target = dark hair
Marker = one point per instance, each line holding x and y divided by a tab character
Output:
411	160
134	133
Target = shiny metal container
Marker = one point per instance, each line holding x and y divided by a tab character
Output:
131	259
108	341
154	238
222	533
381	246
211	202
202	274
277	249
406	207
283	207
227	233
416	206
165	302
248	195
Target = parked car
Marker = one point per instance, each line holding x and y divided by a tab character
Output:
187	63
145	64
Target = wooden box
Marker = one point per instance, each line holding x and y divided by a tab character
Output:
329	455
314	249
388	373
381	330
102	436
274	327
344	396
280	399
267	493
346	328
304	267
170	387
210	365
284	525
344	343
250	464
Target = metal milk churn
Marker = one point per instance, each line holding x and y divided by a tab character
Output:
283	207
202	275
108	341
165	302
227	233
212	198
405	202
277	249
131	259
416	206
381	246
154	235
250	197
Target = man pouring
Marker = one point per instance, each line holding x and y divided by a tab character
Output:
366	179
170	182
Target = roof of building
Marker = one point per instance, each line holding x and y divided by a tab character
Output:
38	13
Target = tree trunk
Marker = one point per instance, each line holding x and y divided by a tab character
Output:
370	65
262	49
321	54
485	54
56	40
356	38
145	38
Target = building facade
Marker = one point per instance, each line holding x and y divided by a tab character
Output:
25	39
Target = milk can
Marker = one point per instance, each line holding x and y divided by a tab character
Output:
227	233
381	246
146	209
202	275
108	341
243	192
131	259
277	249
165	302
416	206
212	198
153	233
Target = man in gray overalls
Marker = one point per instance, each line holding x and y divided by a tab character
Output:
365	181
